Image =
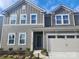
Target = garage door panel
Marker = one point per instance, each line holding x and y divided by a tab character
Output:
56	44
73	44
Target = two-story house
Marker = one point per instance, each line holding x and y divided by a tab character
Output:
26	25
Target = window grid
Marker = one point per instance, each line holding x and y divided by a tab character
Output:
13	19
11	39
23	18
22	39
63	19
33	18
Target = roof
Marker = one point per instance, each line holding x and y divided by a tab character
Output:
19	2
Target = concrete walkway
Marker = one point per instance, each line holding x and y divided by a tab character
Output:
40	55
64	55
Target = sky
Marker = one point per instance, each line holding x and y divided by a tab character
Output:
48	5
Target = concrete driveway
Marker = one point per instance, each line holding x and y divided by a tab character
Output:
63	55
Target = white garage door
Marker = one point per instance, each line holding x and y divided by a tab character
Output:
63	42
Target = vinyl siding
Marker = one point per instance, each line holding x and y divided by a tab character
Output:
28	11
47	20
63	11
7	28
76	17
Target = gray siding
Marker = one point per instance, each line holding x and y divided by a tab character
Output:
29	9
63	11
47	20
7	28
76	18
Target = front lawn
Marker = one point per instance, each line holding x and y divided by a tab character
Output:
6	58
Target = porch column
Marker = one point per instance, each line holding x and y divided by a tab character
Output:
32	41
47	41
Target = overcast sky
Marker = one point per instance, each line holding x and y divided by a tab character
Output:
46	4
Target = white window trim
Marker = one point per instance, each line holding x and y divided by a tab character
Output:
20	19
25	38
62	19
11	19
31	18
8	39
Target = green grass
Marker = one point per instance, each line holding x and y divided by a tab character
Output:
5	58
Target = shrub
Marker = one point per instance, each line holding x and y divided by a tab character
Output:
10	49
27	49
27	52
44	52
1	49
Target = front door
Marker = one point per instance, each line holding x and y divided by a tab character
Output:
38	40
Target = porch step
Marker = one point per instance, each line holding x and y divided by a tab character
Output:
36	52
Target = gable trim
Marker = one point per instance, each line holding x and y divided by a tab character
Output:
20	2
59	6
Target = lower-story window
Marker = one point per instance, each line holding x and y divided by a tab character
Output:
22	39
11	38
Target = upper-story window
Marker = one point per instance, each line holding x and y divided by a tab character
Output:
22	39
33	18
23	8
23	19
13	19
11	38
62	19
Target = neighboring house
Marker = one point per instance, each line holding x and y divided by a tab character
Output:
1	23
28	26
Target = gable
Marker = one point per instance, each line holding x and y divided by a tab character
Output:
19	4
62	9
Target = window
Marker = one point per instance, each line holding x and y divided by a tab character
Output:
13	19
33	18
70	36
23	9
77	36
23	19
62	19
11	38
59	21
22	39
60	36
65	19
51	36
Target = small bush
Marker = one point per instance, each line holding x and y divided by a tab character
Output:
27	52
27	49
10	49
44	52
1	49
